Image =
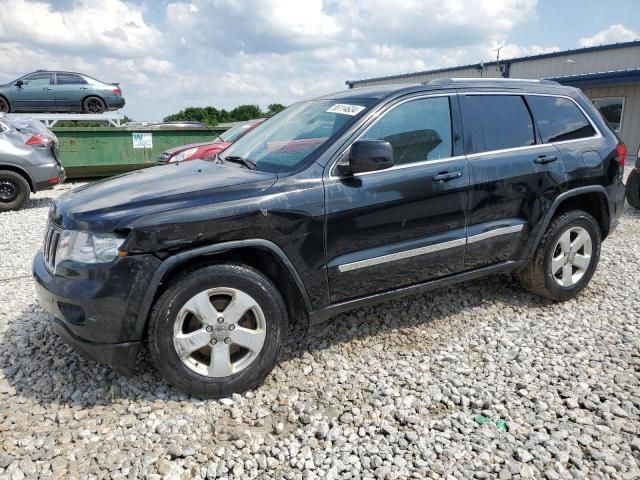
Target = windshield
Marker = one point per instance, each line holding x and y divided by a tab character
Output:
234	133
287	140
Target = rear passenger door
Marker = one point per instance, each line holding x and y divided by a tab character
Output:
69	90
514	177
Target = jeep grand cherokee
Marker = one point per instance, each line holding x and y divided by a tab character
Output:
334	203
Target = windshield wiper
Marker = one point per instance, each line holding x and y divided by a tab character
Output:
242	161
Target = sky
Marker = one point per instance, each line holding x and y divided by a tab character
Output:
169	55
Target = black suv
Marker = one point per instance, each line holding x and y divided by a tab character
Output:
334	203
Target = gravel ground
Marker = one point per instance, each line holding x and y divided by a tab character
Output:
392	391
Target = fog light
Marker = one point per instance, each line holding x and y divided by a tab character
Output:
72	313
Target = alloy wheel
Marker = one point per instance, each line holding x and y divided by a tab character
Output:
219	332
95	106
571	256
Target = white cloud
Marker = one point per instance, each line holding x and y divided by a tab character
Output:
110	27
613	34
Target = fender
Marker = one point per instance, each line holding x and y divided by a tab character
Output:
182	257
21	170
556	203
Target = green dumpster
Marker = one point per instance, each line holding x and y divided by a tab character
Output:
104	151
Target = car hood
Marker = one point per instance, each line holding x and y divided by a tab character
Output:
156	195
182	148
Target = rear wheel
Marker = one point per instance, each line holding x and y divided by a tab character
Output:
14	190
566	258
93	105
4	105
633	189
217	330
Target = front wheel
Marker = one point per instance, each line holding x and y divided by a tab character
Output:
566	258
93	105
14	190
4	106
217	330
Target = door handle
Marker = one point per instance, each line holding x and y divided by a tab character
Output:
446	176
46	88
84	88
544	159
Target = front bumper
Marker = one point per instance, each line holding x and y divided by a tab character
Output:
119	356
94	308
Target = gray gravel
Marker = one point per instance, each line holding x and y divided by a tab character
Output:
389	392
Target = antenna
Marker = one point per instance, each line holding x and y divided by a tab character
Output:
500	67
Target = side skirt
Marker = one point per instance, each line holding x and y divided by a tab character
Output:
320	316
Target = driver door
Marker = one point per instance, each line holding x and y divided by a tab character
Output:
407	224
35	93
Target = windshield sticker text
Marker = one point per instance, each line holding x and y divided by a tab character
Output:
346	109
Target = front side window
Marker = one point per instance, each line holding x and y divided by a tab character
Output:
611	109
496	122
559	119
37	79
69	79
418	130
291	138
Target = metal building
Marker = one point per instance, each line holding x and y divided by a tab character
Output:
608	74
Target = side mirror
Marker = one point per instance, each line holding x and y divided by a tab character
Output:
19	83
368	156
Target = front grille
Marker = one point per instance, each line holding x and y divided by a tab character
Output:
51	240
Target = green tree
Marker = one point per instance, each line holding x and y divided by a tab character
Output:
274	108
212	116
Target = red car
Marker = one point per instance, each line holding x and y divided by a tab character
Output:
208	149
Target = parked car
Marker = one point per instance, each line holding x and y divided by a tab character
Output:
47	91
195	151
28	161
334	203
633	184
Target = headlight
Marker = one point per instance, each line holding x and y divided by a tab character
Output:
183	155
87	247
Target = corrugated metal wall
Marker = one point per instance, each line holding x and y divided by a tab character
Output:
630	126
576	63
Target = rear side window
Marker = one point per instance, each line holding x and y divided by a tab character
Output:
559	119
418	130
496	122
69	79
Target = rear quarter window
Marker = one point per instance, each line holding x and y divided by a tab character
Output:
496	122
559	119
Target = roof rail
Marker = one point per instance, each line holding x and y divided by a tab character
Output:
447	81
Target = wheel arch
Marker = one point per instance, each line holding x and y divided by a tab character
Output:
592	199
20	171
260	254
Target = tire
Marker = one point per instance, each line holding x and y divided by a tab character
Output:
633	189
93	105
570	279
4	105
173	319
14	190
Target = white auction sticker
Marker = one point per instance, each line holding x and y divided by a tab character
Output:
346	109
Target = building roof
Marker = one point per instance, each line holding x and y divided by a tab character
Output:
480	65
